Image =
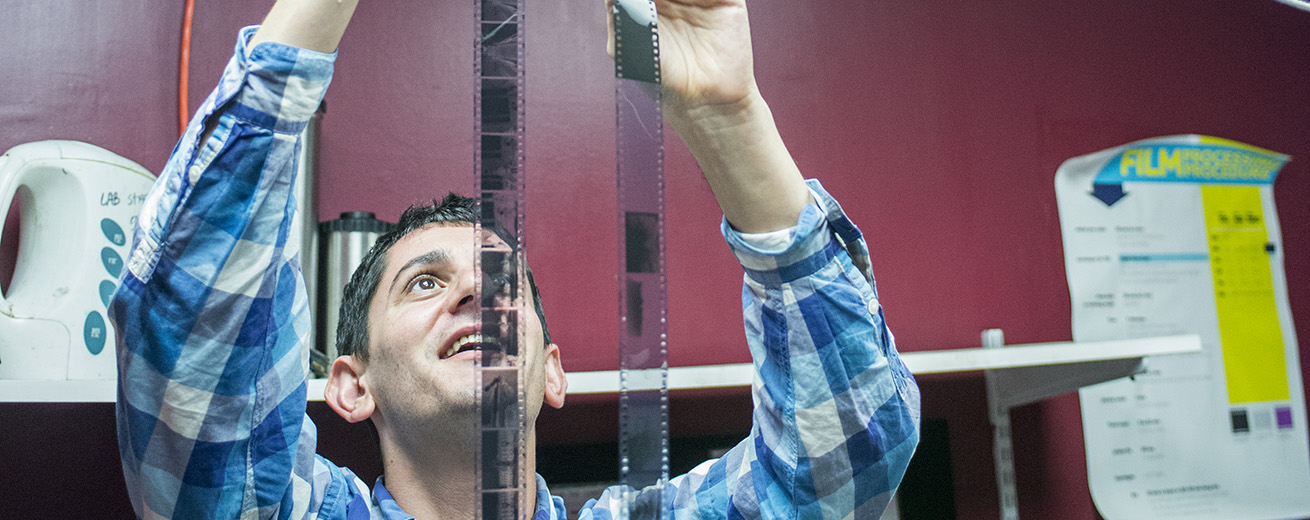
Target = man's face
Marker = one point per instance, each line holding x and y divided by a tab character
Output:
423	321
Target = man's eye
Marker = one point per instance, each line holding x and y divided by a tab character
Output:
425	283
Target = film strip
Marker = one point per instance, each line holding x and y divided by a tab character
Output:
501	476
643	311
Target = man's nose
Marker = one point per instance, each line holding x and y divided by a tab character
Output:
466	290
497	270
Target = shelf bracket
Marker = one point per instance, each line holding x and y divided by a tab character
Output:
1011	387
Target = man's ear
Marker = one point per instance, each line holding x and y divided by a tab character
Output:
556	384
347	390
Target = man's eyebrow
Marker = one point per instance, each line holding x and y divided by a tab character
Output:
436	256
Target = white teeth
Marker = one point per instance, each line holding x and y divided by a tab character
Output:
454	349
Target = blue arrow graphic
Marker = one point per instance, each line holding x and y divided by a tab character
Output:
1108	193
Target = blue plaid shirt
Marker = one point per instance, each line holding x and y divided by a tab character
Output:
213	320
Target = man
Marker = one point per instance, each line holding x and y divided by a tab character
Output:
212	313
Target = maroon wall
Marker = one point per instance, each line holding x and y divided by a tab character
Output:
938	124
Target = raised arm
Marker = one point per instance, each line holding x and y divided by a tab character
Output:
716	107
837	413
211	314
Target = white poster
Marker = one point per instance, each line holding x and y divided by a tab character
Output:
1179	235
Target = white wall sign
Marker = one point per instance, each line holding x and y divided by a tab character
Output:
1179	235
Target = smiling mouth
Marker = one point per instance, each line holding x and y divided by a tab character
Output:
471	343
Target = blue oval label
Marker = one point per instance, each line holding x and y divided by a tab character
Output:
107	291
94	333
113	232
113	262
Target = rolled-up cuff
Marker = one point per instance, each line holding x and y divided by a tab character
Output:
283	84
786	254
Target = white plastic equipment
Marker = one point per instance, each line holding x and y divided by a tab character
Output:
79	203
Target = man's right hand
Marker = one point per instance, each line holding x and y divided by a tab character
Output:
708	75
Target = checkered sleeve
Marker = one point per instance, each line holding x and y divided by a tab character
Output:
836	412
212	315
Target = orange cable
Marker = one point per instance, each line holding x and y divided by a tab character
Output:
184	68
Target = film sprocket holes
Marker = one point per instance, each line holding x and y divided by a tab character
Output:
643	307
498	164
643	345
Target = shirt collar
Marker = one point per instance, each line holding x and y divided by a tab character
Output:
548	507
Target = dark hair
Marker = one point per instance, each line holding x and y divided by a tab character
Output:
352	327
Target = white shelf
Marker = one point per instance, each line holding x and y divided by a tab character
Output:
1033	370
1022	362
57	391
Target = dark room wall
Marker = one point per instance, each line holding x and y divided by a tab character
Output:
939	125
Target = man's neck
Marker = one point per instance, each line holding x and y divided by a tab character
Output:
439	484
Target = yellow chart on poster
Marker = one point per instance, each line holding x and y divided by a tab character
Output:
1249	332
